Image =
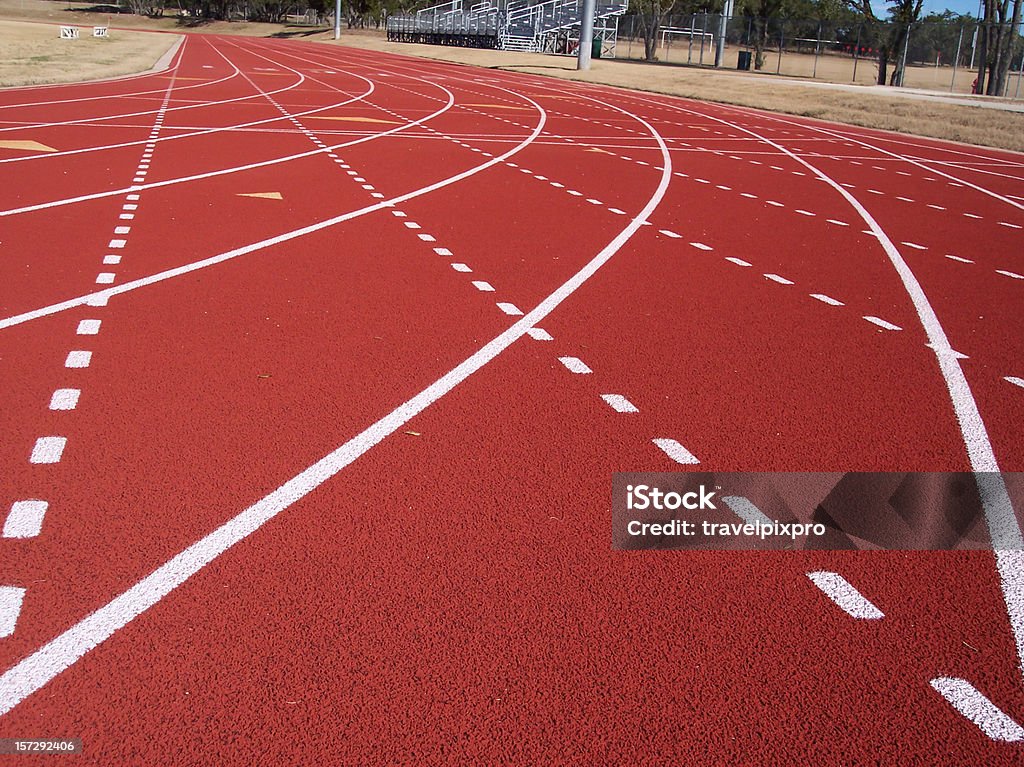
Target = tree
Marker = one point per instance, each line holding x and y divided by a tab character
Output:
902	14
652	15
997	39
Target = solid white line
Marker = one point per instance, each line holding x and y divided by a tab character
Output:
11	598
486	287
510	309
882	323
48	450
25	519
35	670
745	510
65	399
978	709
619	403
575	365
827	299
842	592
675	451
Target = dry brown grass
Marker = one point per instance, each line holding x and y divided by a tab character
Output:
32	54
966	124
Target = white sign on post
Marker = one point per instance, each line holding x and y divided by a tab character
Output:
69	33
99	32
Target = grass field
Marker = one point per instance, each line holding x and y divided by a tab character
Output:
32	53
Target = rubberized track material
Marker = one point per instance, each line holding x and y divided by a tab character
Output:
317	364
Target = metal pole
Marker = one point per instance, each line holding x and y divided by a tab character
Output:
337	19
817	50
703	34
974	42
956	59
903	66
782	40
1020	74
723	29
856	51
689	48
586	35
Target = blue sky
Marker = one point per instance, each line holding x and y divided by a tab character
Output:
934	6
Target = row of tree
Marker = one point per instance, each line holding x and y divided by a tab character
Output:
856	23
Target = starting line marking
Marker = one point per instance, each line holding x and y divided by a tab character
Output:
842	592
979	710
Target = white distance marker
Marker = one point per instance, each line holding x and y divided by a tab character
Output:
48	450
881	323
539	334
842	592
827	299
65	399
510	309
25	519
11	598
619	404
674	450
78	359
485	287
88	327
575	365
979	710
778	279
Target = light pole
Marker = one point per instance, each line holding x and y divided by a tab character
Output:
723	27
586	35
337	19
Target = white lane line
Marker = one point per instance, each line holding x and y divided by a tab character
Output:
675	451
842	592
881	323
88	327
619	403
25	519
65	399
738	261
64	650
1008	224
1014	275
746	510
78	359
804	212
461	268
836	221
48	450
539	334
617	211
575	365
670	233
510	309
914	245
961	260
1015	381
827	299
977	709
11	598
973	215
485	287
778	279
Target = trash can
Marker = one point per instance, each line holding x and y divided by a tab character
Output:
595	49
744	61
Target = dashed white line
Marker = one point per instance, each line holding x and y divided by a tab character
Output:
486	287
978	709
117	243
1014	275
412	225
11	598
619	404
25	519
737	261
1015	381
539	334
65	399
961	260
575	365
671	448
427	237
827	299
915	246
88	327
442	251
881	323
746	510
837	222
105	278
48	450
701	246
461	268
670	233
510	309
1008	224
778	279
78	359
109	260
842	592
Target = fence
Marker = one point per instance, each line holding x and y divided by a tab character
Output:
931	55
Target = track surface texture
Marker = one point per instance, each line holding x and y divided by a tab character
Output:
317	364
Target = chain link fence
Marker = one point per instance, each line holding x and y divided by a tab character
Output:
927	55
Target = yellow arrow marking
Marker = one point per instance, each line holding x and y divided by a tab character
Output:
263	195
353	119
27	146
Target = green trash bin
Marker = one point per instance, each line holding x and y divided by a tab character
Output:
744	61
595	49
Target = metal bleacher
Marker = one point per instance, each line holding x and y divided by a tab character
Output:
548	26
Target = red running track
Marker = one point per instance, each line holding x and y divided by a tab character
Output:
296	468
